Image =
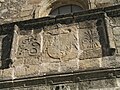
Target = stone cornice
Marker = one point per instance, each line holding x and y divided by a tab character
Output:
61	78
112	11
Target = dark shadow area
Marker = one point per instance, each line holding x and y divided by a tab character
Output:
6	51
104	41
57	88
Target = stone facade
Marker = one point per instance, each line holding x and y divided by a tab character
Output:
79	51
17	10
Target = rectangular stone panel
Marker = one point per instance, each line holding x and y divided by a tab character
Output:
60	44
92	39
28	47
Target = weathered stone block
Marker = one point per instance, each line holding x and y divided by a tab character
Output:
32	61
88	64
8	73
115	21
117	58
116	30
20	71
108	62
35	88
34	1
117	38
32	70
91	85
18	62
49	68
8	20
27	7
4	11
27	17
102	3
2	0
72	86
69	66
25	13
117	43
42	87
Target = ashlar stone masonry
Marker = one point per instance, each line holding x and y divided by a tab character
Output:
78	51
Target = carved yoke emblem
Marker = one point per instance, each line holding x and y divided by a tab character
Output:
28	46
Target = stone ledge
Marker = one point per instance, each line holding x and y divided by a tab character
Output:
112	11
63	78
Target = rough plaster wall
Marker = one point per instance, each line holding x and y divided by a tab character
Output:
17	10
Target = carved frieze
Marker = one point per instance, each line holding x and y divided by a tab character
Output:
61	42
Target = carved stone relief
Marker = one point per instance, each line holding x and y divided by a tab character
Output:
89	40
29	47
60	43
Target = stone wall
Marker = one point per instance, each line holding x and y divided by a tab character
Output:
60	48
107	84
18	10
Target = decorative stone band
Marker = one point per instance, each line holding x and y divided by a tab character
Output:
38	25
63	78
63	38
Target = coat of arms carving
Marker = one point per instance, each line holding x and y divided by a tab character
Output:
61	43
